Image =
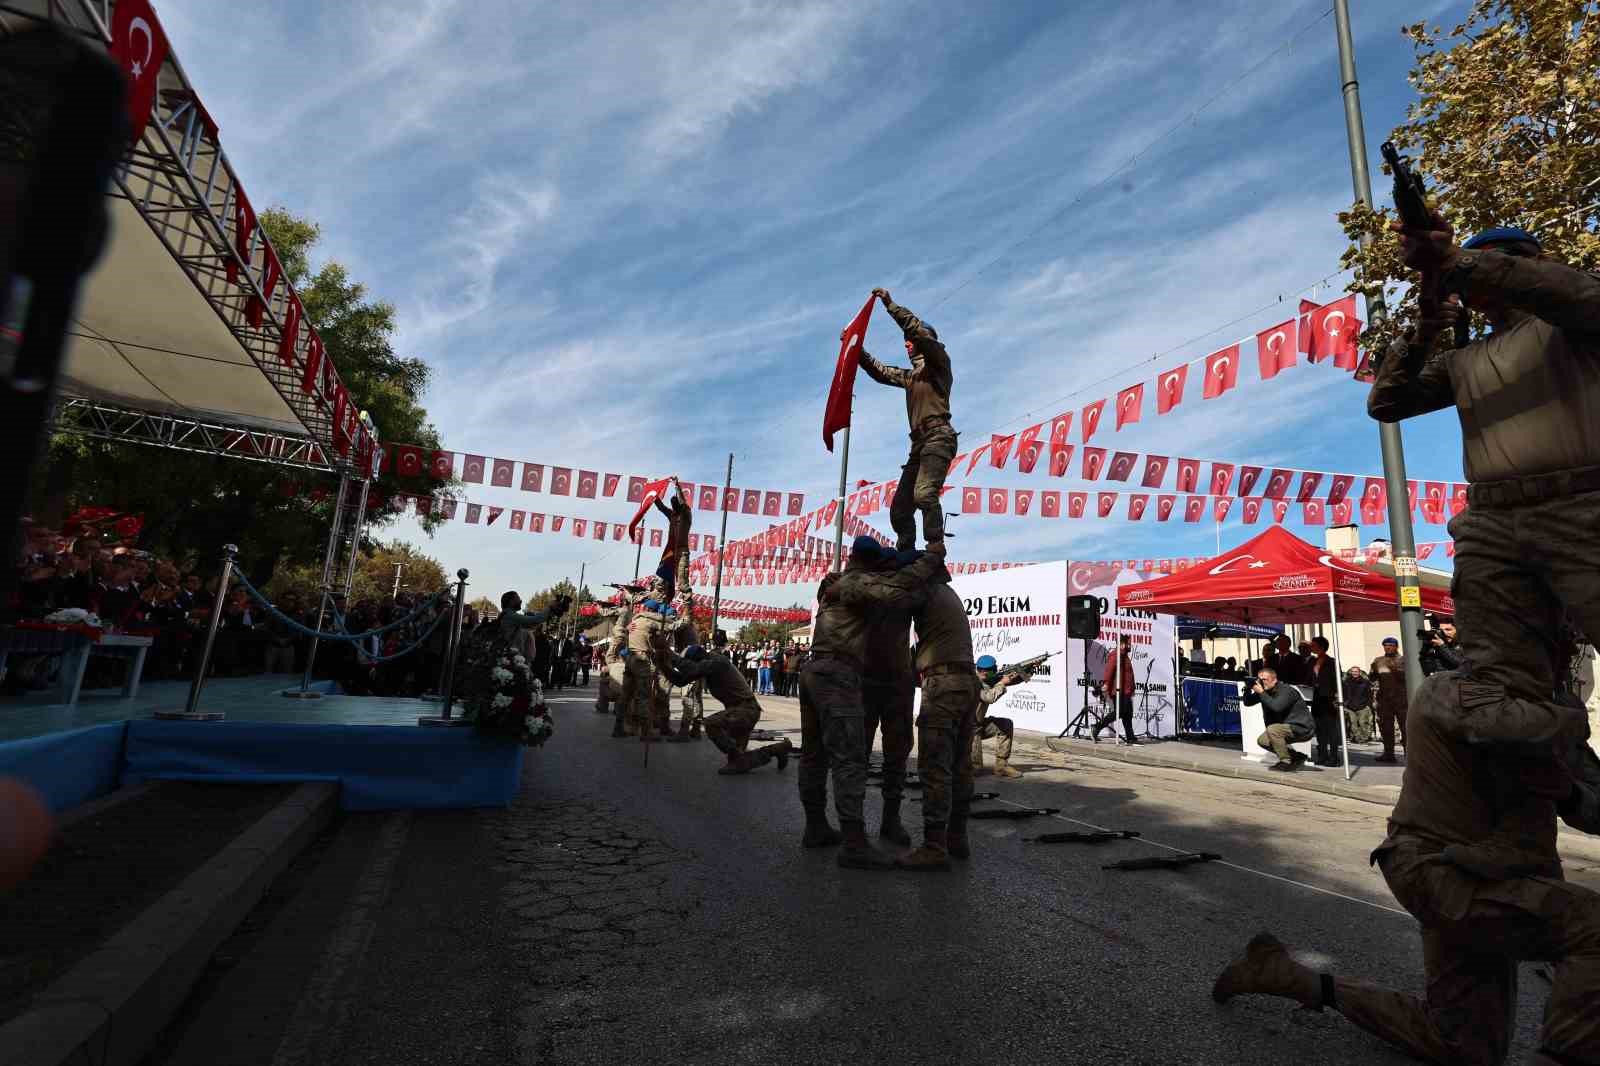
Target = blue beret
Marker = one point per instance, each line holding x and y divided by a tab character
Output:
866	547
1502	233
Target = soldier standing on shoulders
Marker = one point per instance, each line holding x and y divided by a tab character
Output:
991	688
933	440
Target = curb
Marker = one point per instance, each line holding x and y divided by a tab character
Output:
110	1006
1366	794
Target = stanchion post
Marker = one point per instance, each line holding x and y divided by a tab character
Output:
329	557
446	694
191	713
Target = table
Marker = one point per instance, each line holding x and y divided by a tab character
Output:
75	647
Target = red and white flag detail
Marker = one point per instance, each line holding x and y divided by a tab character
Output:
1278	484
474	513
997	501
139	46
472	469
611	483
1137	502
708	497
443	463
588	484
1060	427
1194	508
1164	506
1028	448
1280	510
1341	512
532	476
772	504
561	480
1310	482
1169	388
1334	332
1155	471
1374	493
536	522
1276	348
1050	503
653	491
636	488
1222	372
1313	513
580	526
1221	478
407	460
1094	460
1458	499
494	512
1188	475
1121	466
1339	488
1089	419
1252	511
836	415
1023	500
1076	503
1060	459
517	519
1000	449
971	500
751	503
730	502
555	522
1130	404
797	502
1107	502
1248	476
1220	506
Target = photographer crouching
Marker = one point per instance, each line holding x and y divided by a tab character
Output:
1288	719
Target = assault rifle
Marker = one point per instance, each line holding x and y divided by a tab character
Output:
1028	667
1411	204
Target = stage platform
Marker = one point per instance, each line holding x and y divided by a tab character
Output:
372	746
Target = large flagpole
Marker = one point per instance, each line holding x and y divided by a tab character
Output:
722	548
838	525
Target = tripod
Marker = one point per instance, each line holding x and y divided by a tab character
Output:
1082	722
1144	706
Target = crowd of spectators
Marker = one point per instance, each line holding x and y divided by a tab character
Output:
771	668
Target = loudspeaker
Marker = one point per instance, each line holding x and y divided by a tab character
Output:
1083	617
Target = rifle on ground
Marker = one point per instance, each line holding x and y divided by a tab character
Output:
1411	204
976	796
1013	814
1099	837
1165	862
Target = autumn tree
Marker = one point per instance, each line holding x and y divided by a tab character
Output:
1506	129
420	575
484	607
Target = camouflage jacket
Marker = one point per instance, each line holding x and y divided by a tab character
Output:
849	600
928	382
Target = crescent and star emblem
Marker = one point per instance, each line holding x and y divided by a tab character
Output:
1276	341
1170	383
1328	324
139	25
1220	368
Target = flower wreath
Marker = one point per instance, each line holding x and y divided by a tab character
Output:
501	696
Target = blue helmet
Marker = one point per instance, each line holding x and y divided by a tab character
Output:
867	548
694	653
986	662
1503	234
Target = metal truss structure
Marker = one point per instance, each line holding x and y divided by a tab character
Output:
102	421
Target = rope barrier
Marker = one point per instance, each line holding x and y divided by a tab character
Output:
340	633
375	659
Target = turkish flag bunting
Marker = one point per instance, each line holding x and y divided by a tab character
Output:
1155	471
1076	502
1122	466
474	512
1221	478
997	501
772	504
535	522
532	476
1411	495
1220	506
1275	349
244	224
308	377
407	460
751	503
1310	481
1130	404
1374	493
1280	509
618	531
1060	426
977	453
1333	333
1193	508
653	491
580	526
1341	512
971	500
555	522
1169	388
612	481
1050	503
1107	501
829	513
1000	448
1248	476
1089	419
442	464
140	47
561	480
655	538
1278	484
1028	448
588	483
1450	549
1060	459
1371	514
494	512
1339	488
1252	511
1093	460
1222	372
1424	550
472	469
599	531
1024	500
797	502
516	519
291	329
1137	502
1313	513
1458	499
1188	475
836	415
1435	494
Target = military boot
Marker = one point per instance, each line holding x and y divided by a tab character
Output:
858	853
892	829
1266	968
955	837
933	855
681	736
1002	768
694	730
737	764
819	834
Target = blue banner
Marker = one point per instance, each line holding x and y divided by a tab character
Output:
1211	706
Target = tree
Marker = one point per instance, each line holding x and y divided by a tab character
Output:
193	504
761	632
1506	128
420	576
484	607
538	601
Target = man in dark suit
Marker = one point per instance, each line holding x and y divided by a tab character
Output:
1325	703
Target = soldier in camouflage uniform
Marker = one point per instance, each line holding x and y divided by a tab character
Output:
933	442
645	648
888	698
832	719
604	695
686	635
1389	696
729	729
991	688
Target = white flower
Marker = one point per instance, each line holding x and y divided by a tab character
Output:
500	701
519	660
501	675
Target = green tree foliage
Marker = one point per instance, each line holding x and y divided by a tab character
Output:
761	632
485	607
1506	129
193	504
420	575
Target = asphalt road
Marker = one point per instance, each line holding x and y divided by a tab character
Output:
620	912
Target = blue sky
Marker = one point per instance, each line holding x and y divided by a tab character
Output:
626	236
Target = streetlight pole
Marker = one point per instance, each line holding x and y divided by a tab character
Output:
722	550
1401	539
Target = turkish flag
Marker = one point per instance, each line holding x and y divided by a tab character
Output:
1155	471
1000	449
1050	504
599	531
1339	488
580	526
977	453
1248	476
772	504
532	476
494	512
1221	478
1450	549
1107	501
1121	466
1333	333
1435	493
1130	404
1275	348
1060	459
517	519
829	513
1089	419
618	531
1193	508
1222	372
308	377
836	415
1374	493
140	47
1341	512
751	503
1411	495
535	522
1024	500
708	497
561	480
555	522
636	486
474	513
472	469
1169	388
1093	460
612	481
1313	513
1028	448
875	499
407	460
797	502
997	501
709	542
1280	509
1220	506
1310	481
655	538
588	483
653	491
1252	511
971	500
1278	484
730	502
1076	502
292	316
1164	505
1424	550
1458	499
255	306
1060	426
244	224
1371	514
1137	502
1188	475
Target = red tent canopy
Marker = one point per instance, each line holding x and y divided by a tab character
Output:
1277	577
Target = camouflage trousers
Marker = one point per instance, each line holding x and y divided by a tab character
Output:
892	706
945	729
605	694
693	704
1474	932
640	705
613	685
986	728
921	485
729	729
832	738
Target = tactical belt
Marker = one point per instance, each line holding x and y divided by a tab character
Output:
1523	490
932	421
939	669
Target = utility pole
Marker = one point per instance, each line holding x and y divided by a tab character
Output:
722	551
395	592
1402	541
